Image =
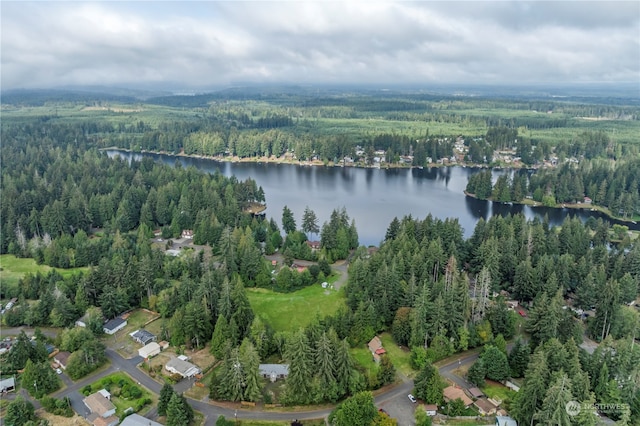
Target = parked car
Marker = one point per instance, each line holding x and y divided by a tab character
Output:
58	371
522	313
412	398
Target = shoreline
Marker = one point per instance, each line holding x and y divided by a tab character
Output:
574	206
313	163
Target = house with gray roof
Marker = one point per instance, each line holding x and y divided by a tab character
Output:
274	372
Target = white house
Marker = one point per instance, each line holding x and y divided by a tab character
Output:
182	367
149	350
114	325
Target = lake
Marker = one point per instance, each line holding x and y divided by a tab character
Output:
373	197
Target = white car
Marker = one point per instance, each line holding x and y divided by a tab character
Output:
412	398
58	371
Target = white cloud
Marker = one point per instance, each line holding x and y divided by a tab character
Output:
203	44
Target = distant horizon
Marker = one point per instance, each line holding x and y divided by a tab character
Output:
622	89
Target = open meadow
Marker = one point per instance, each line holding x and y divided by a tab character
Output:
291	311
12	269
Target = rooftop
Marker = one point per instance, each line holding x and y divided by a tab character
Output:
98	404
114	323
137	420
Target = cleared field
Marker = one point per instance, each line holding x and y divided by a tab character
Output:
13	268
401	357
290	311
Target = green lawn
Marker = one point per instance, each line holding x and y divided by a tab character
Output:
401	358
362	356
290	311
13	268
498	391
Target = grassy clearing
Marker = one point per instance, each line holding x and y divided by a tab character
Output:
12	269
290	311
362	356
401	357
498	391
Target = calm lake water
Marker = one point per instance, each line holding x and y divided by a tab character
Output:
373	197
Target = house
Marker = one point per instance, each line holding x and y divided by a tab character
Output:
102	409
149	350
512	304
7	385
313	245
82	322
62	358
485	406
431	409
137	420
476	393
274	372
505	421
376	348
588	200
143	337
511	385
182	367
187	233
451	393
114	325
299	268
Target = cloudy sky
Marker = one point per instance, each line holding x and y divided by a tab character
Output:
210	44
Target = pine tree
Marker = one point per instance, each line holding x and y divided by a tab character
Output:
553	410
251	369
325	364
179	412
496	364
386	371
519	358
533	391
298	354
288	222
428	385
477	372
165	396
309	221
